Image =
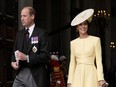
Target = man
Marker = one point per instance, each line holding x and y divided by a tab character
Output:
30	53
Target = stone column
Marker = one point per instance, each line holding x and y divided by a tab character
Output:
2	7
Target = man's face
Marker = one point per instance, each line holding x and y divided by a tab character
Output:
26	19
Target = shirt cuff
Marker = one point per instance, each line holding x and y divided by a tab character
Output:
27	57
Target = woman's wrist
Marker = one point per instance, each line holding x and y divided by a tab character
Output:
68	83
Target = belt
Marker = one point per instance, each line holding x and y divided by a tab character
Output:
85	61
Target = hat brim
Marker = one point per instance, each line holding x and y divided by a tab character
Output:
83	16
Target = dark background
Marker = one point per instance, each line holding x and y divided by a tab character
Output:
55	17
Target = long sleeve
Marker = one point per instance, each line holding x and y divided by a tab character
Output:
14	49
72	64
99	60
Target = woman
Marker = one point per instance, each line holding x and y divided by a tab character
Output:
85	68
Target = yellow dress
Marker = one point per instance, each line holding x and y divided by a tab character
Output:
85	68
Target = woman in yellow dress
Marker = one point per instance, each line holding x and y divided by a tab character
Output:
85	68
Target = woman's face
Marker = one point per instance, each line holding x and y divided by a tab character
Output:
82	27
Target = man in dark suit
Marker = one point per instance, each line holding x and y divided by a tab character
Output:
30	55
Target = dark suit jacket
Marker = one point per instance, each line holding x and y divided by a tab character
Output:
37	60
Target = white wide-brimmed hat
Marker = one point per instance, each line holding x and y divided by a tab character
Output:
83	16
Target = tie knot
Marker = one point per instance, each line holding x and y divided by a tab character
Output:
27	31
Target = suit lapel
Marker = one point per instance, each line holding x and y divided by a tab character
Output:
34	33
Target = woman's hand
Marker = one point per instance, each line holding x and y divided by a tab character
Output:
69	85
103	83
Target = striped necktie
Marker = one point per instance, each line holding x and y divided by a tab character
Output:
27	35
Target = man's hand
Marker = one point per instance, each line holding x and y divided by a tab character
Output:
15	65
20	56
